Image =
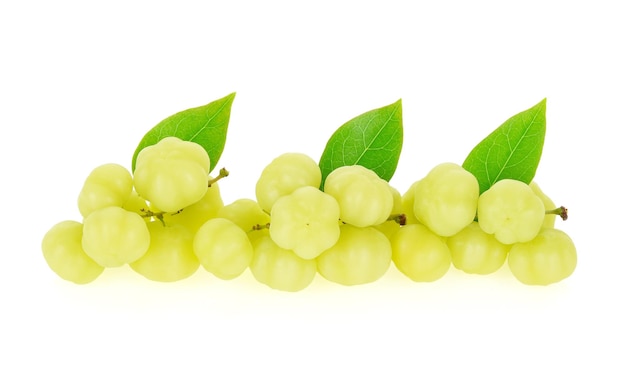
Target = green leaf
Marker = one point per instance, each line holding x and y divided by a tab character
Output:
373	140
206	125
512	151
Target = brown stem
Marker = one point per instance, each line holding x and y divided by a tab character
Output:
258	227
561	211
399	218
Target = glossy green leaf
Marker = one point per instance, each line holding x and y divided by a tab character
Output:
206	125
512	151
373	140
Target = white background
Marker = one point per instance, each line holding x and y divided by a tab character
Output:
81	82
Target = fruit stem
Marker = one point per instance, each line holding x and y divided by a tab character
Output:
223	174
399	218
561	211
258	227
157	215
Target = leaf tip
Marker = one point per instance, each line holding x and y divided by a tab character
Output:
227	100
542	103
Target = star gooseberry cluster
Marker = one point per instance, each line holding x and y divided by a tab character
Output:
168	218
